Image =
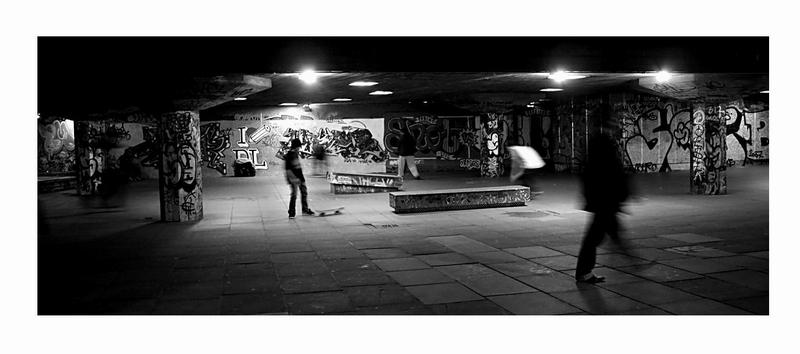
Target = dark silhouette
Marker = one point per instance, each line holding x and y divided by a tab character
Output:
406	151
294	176
605	187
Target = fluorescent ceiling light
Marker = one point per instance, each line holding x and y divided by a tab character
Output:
240	99
363	83
381	93
288	104
561	76
551	89
342	99
308	76
765	91
662	76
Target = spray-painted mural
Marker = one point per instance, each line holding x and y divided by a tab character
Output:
447	143
493	150
56	148
350	145
657	134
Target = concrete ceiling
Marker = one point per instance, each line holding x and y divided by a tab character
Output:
87	77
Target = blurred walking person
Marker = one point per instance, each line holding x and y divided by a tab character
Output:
605	188
406	151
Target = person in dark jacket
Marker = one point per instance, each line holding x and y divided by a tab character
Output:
605	188
406	151
294	176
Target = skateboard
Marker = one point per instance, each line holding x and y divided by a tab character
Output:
327	212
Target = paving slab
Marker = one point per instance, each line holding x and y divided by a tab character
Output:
702	307
443	293
534	304
492	257
502	285
420	277
398	264
320	303
374	295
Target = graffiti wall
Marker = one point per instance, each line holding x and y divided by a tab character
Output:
656	134
443	143
56	146
747	131
349	145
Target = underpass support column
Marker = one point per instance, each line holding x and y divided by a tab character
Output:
180	178
708	167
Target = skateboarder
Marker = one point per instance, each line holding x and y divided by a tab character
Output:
523	160
294	176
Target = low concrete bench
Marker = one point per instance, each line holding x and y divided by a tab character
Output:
458	199
354	183
57	183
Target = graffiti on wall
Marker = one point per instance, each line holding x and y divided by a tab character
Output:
90	156
449	139
492	151
345	142
180	172
56	148
747	130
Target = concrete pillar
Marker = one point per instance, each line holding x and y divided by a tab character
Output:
180	178
90	156
708	167
491	146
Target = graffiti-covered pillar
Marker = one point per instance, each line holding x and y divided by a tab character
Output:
491	154
90	157
180	179
708	167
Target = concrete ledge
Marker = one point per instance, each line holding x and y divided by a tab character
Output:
56	184
458	199
353	183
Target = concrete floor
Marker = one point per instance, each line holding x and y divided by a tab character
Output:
690	255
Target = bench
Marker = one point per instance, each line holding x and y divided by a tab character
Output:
354	183
49	184
458	199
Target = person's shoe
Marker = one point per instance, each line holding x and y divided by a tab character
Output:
308	212
418	177
291	216
590	278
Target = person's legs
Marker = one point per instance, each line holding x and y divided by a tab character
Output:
401	166
292	199
587	256
304	199
412	166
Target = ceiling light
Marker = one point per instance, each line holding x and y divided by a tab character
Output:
342	99
240	99
363	83
765	91
381	93
662	76
288	104
551	89
308	76
560	76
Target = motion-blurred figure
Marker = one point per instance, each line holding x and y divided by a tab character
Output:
320	160
524	159
605	188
